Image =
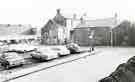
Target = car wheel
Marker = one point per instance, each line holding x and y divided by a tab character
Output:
24	51
59	55
7	66
42	60
2	64
21	64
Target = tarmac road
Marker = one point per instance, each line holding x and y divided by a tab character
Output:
37	66
89	69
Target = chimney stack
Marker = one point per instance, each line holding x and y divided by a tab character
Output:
58	11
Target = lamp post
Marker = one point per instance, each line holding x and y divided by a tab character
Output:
91	37
114	25
111	37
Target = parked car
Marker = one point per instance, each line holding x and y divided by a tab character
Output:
3	48
75	48
44	54
11	59
61	50
22	47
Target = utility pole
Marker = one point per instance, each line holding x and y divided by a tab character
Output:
115	23
111	36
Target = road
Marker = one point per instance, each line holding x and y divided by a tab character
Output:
89	69
33	66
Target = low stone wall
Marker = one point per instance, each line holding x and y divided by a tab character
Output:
124	72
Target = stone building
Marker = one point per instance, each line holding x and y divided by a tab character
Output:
53	33
57	30
94	32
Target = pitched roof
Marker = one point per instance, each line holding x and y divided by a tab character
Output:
106	22
56	24
51	22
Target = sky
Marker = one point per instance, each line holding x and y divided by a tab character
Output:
38	12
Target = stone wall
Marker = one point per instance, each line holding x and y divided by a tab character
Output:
124	72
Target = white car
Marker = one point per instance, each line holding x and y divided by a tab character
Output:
10	59
22	47
61	50
44	54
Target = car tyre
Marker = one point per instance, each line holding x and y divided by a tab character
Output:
59	55
42	60
7	66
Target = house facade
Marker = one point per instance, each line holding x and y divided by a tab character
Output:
54	33
57	30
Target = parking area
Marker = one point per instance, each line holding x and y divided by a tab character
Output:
33	65
87	69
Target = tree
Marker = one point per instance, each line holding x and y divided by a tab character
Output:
121	34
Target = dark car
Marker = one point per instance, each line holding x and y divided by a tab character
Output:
75	48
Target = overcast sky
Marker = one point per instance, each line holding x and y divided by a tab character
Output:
37	12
